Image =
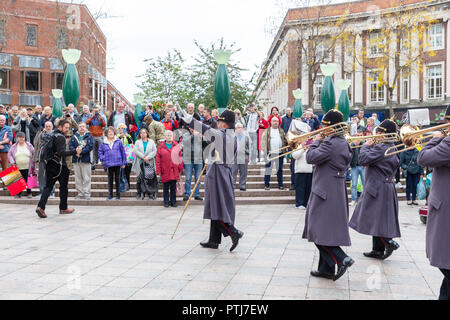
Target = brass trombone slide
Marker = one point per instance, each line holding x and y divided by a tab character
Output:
413	138
379	138
293	139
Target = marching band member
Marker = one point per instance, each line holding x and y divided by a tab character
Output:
326	223
377	211
220	203
436	155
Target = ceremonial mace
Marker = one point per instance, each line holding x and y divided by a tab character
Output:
190	197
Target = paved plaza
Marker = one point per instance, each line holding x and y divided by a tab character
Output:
127	253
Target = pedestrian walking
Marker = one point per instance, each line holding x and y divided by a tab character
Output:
54	155
436	155
376	214
327	214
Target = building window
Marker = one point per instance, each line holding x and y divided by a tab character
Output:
405	87
348	76
318	89
31	81
376	90
375	44
2	32
57	80
31	35
62	38
434	80
323	52
436	36
5	76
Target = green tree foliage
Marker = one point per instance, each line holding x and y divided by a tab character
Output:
170	78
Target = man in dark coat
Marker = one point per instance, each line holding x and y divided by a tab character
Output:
436	155
377	211
326	223
220	203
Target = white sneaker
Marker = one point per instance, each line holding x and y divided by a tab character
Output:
399	185
52	196
351	204
301	208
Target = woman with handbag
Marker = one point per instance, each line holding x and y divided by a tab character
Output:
169	165
144	166
21	154
412	172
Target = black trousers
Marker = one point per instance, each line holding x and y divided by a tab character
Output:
55	172
303	182
24	174
293	181
128	173
329	257
113	175
219	228
445	288
170	192
397	176
379	243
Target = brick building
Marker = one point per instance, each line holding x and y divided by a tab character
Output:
285	69
32	35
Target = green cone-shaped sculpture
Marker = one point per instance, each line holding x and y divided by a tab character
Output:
57	103
222	91
71	82
298	107
138	99
328	97
344	101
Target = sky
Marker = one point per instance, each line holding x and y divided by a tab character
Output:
138	30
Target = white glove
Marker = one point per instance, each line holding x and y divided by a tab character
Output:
187	118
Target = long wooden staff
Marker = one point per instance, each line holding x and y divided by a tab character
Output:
187	203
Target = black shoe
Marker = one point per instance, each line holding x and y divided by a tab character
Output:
342	268
235	236
185	199
374	254
209	245
243	189
292	188
199	198
138	196
267	188
281	188
324	275
391	246
166	205
174	205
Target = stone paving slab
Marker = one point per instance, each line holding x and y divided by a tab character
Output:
109	253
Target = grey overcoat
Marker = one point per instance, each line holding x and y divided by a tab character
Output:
377	211
220	203
327	213
436	155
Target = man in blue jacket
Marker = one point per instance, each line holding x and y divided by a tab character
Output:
82	162
6	137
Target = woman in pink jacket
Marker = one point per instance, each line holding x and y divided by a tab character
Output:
169	165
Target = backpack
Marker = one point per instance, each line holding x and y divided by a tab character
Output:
46	148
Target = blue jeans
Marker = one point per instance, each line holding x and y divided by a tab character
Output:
412	180
189	168
356	173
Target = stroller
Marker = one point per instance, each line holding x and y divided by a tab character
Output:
423	212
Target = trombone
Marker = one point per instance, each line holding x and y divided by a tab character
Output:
379	138
413	138
305	139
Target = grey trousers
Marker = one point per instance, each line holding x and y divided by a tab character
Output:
253	147
243	172
94	154
83	178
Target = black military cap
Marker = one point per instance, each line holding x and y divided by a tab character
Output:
388	126
333	117
228	117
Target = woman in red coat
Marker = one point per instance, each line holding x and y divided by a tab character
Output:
263	125
169	165
168	123
274	113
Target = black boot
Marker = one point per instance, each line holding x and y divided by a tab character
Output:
210	245
374	254
342	268
235	236
391	246
324	275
